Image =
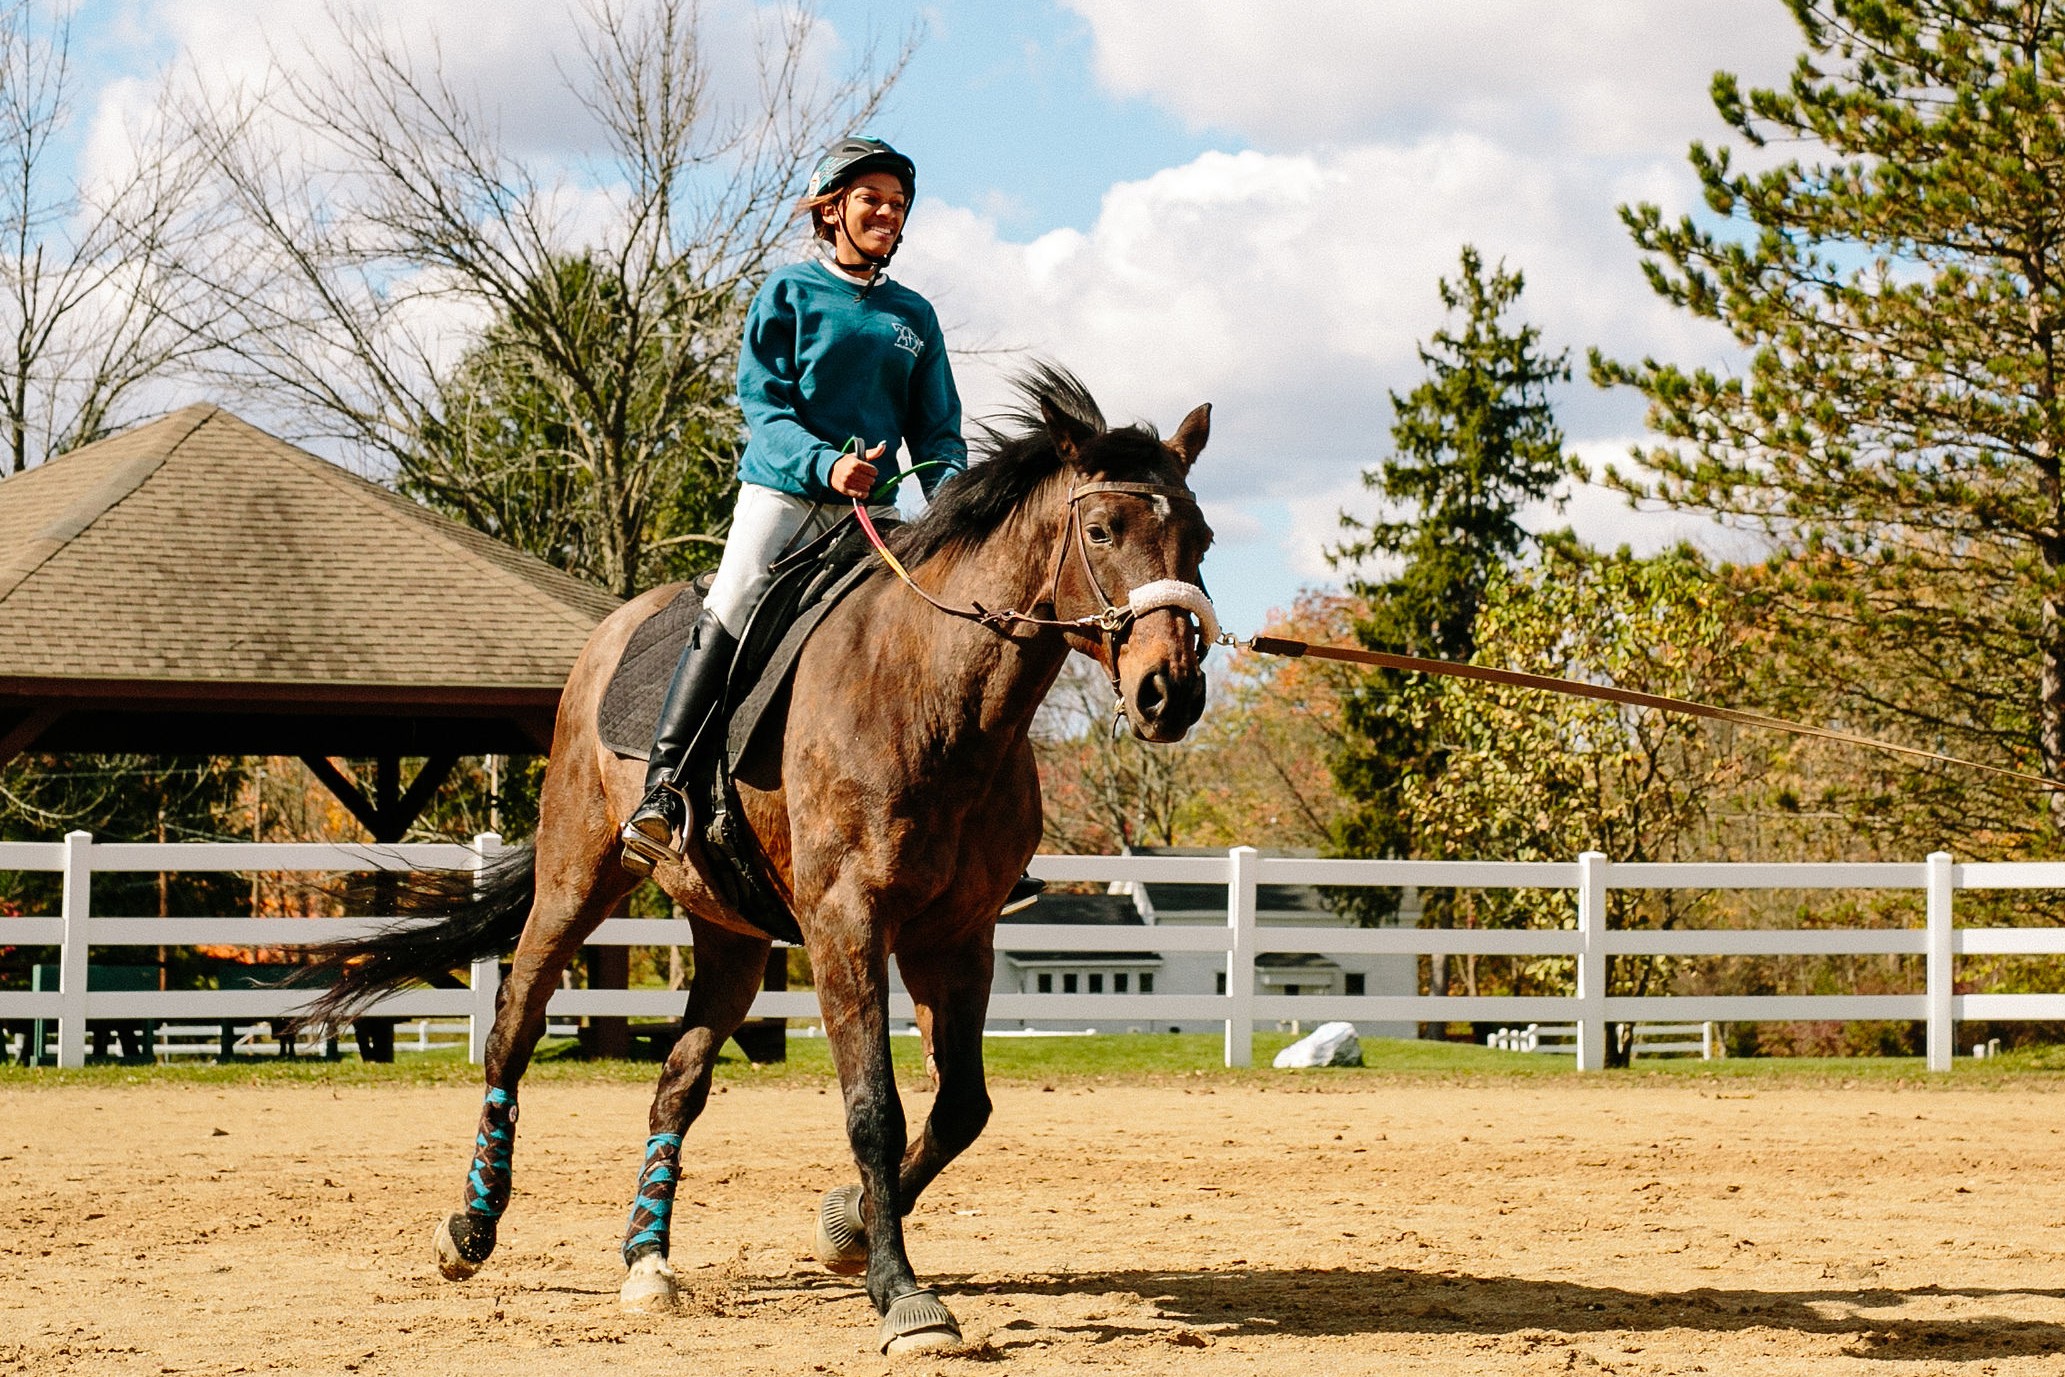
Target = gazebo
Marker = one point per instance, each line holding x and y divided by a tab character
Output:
195	586
198	586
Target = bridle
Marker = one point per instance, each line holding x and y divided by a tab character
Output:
1112	620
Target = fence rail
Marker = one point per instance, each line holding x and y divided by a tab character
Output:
77	930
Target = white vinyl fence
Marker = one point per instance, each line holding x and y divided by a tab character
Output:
78	858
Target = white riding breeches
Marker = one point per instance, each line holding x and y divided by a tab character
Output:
765	525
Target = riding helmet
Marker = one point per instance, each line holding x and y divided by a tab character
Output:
854	157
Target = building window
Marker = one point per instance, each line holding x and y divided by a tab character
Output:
1355	982
1293	989
1118	983
1046	982
1068	983
1218	982
1096	982
1146	983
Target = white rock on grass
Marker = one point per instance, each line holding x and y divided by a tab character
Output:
1330	1044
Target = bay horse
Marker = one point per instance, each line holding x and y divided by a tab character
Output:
896	810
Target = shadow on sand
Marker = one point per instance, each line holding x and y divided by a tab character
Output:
1392	1300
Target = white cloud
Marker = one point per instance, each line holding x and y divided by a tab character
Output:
1598	516
1291	290
1291	282
1315	527
508	53
1603	77
515	59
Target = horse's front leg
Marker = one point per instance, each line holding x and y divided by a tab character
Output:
951	986
850	961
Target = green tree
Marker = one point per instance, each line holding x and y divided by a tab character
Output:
1472	444
1899	430
526	448
1533	776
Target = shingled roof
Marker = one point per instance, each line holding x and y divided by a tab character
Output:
159	586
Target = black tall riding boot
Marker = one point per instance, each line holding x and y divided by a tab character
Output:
685	728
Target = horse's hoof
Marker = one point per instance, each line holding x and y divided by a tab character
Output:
463	1244
917	1322
449	1262
842	1239
648	1287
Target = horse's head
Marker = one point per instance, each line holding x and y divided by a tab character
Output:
1130	550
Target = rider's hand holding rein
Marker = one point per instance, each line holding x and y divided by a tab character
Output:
854	474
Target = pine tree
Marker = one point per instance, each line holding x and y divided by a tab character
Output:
1472	444
1900	430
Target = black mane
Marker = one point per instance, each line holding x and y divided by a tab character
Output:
1013	457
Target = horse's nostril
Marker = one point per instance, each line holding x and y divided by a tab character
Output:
1154	693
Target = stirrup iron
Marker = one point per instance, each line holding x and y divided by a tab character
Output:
649	837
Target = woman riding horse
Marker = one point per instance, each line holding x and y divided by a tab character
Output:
832	350
895	810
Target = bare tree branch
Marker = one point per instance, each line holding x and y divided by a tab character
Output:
88	313
397	269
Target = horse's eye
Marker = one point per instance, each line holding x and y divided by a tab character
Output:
1099	535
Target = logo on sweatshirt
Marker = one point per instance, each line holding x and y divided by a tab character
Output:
907	338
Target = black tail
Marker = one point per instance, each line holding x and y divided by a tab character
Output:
470	914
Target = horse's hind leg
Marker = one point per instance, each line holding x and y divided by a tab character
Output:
574	894
728	971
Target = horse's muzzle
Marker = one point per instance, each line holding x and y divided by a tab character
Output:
1161	677
1167	705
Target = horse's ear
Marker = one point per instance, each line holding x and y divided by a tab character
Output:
1189	440
1069	433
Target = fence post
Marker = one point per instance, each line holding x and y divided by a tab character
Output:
487	972
1591	961
1240	959
76	909
1942	973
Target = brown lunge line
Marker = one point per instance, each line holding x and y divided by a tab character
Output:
1276	645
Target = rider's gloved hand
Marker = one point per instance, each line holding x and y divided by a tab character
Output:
854	474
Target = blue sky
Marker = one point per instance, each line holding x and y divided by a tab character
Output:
1227	200
1002	106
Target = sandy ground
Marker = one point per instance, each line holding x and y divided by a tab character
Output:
1401	1227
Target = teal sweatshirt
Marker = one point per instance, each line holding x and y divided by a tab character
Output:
821	363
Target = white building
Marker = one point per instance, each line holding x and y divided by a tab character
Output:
1154	904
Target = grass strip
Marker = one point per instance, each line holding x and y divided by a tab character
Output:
1121	1057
